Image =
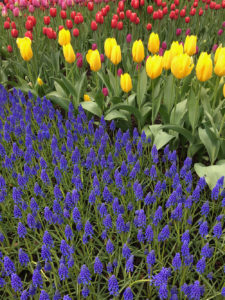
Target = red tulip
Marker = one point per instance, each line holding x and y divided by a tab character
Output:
29	34
44	30
73	14
9	48
160	14
108	8
69	24
195	4
193	11
63	14
114	23
6	25
121	15
136	4
142	2
60	27
172	14
150	9
128	13
53	12
14	33
50	33
223	4
217	7
46	20
81	19
155	15
200	13
13	25
120	25
163	4
94	25
159	2
76	20
172	6
32	18
133	17
149	26
187	19
104	11
176	2
90	6
121	5
116	17
182	13
76	32
137	21
165	10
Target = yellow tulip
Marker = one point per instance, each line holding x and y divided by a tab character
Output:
138	51
224	90
166	60
126	82
20	40
154	66
204	67
181	66
108	45
153	43
64	37
39	81
87	97
68	53
219	68
116	55
93	58
190	44
218	50
24	45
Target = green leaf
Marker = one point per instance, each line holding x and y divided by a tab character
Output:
177	115
211	173
106	81
115	114
193	109
69	87
99	99
79	86
187	134
92	107
115	100
156	102
114	82
210	141
186	85
60	91
143	87
129	108
161	138
62	85
169	93
194	148
59	100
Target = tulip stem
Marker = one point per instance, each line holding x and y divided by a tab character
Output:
215	92
196	110
138	89
30	73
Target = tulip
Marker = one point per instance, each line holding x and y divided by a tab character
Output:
219	68
181	66
87	97
218	50
153	43
69	53
94	60
154	66
105	91
128	38
126	82
190	44
64	37
204	67
39	81
119	72
108	45
166	61
116	55
138	51
24	45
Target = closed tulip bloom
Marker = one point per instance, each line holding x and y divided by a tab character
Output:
126	82
176	49
68	53
138	51
116	55
153	43
154	66
204	67
166	61
108	45
64	37
218	50
87	97
94	60
219	68
40	81
181	66
25	48
190	44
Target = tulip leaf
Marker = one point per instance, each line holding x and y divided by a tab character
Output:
115	114
105	80
79	86
131	109
59	100
114	82
92	107
210	141
193	109
211	173
169	93
60	91
178	112
186	84
63	86
156	102
143	86
69	86
187	134
160	138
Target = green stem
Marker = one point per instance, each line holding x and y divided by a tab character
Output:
215	92
221	126
196	110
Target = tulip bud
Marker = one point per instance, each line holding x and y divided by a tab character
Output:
68	53
116	55
105	91
138	51
204	67
153	43
190	44
128	38
39	81
178	31
24	45
64	37
93	58
126	82
108	45
181	66
154	66
87	97
119	72
219	68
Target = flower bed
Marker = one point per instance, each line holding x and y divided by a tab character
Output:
93	213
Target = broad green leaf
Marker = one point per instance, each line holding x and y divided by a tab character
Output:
79	86
187	134
156	102
211	173
169	93
143	86
105	79
99	99
59	100
114	82
92	107
115	114
60	91
177	114
63	86
115	100
186	85
210	141
193	109
147	131
131	109
193	149
70	87
162	138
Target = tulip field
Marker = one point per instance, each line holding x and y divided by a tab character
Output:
112	149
